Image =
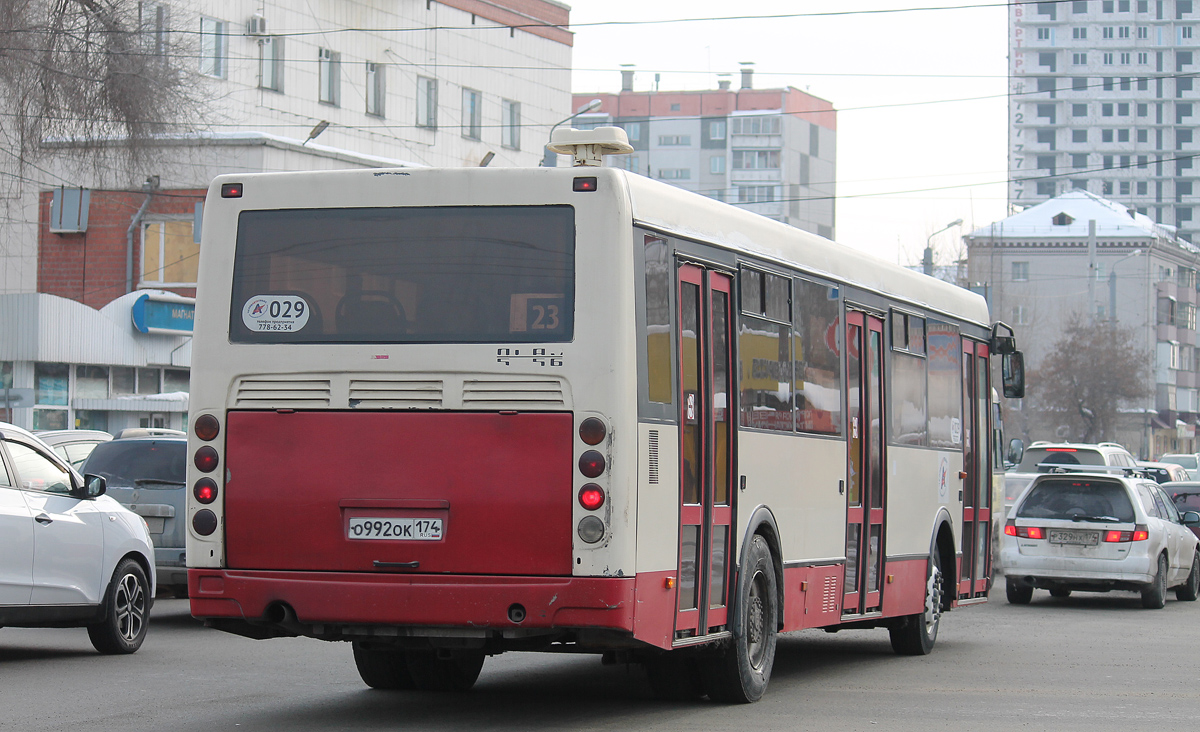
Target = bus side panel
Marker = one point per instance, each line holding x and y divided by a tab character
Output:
904	593
812	596
500	483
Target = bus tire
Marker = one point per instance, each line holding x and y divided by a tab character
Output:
126	611
740	674
382	668
916	634
673	678
456	673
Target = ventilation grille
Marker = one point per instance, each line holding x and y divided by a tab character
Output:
276	392
829	595
653	448
534	394
395	394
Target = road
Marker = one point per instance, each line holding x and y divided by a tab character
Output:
1089	662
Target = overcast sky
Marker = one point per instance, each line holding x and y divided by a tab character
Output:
919	94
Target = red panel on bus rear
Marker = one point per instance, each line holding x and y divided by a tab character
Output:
501	484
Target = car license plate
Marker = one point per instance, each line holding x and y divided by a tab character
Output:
1084	538
400	529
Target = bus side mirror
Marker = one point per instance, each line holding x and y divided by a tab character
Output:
1012	373
1016	451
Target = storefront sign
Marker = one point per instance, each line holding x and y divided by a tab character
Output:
164	313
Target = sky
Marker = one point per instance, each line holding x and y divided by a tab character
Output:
921	124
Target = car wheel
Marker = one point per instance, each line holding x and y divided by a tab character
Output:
1155	596
1190	590
125	608
382	668
741	673
1059	592
915	635
456	673
1017	593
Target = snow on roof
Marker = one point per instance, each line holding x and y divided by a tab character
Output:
1047	220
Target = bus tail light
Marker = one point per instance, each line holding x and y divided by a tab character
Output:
206	459
593	431
591	496
591	529
204	522
207	427
205	490
1023	532
591	464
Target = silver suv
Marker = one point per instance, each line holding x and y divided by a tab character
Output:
1044	457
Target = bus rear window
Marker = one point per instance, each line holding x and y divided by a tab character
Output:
477	274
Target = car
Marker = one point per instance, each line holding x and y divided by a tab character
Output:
147	472
1096	532
74	446
70	556
1189	460
1186	495
1050	457
1163	472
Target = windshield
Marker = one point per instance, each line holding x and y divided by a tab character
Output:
1036	456
123	463
456	274
1187	461
1078	499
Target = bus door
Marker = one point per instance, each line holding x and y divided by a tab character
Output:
977	493
706	464
865	473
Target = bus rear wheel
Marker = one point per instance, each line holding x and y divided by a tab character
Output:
915	634
741	673
431	672
382	668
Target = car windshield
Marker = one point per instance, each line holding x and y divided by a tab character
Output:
1035	457
1187	461
125	463
1078	500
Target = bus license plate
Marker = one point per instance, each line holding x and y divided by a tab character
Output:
400	529
1084	538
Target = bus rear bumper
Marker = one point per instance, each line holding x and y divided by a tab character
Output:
462	601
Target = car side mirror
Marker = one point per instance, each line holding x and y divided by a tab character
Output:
1012	373
1016	451
93	486
1190	518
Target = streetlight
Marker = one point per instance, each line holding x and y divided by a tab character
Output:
550	159
927	262
1112	286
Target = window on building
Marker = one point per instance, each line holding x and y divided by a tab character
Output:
1107	33
270	63
1078	135
675	173
1047	111
1124	189
124	380
148	381
153	23
1106	188
1143	58
1123	32
376	86
1079	58
329	65
169	253
1079	83
1020	271
1079	34
51	383
1122	135
716	164
1106	110
1107	59
472	114
754	125
755	194
673	140
716	130
675	106
1185	32
1020	315
1043	34
1122	6
1079	6
1107	83
633	130
1143	33
510	130
91	382
1079	110
1078	184
1106	135
1108	162
427	102
1044	137
1125	59
1079	160
1142	188
1106	6
1142	110
214	36
755	159
1143	135
1045	188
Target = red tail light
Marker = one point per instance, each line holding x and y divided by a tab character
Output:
591	464
591	496
592	431
206	459
205	490
207	427
1024	532
1139	533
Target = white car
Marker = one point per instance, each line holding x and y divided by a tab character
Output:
70	556
1097	532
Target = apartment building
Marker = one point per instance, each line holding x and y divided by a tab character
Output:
770	151
1103	98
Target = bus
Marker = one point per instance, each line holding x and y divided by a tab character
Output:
448	413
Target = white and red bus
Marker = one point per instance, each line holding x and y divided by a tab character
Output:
447	413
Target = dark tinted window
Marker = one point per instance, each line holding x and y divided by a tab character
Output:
1068	499
1186	501
123	462
475	274
1047	458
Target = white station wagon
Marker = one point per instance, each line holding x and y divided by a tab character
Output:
1096	533
70	556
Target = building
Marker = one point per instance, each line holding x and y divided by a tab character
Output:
285	87
1103	98
1033	268
770	151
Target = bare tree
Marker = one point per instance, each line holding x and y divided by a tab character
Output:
89	73
1089	374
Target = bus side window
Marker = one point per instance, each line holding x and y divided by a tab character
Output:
659	281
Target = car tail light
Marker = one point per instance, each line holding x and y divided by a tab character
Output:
591	496
207	427
1139	533
592	431
591	464
206	459
1024	532
205	490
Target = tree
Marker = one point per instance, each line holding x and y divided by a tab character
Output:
85	72
1093	370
